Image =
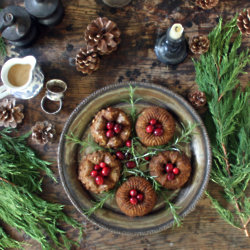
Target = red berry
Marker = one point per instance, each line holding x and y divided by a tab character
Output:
158	131
97	167
117	128
133	200
94	173
153	122
120	155
169	167
128	143
133	192
176	170
140	197
131	164
170	176
99	180
149	129
147	158
110	125
106	171
158	125
103	165
110	133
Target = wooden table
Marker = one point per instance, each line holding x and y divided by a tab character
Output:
141	22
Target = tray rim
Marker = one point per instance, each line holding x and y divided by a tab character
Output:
158	87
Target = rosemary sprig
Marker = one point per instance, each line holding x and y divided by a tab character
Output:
20	207
228	122
100	202
89	143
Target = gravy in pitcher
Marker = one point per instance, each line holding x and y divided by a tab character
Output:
18	74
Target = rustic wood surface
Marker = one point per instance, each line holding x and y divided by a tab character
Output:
141	22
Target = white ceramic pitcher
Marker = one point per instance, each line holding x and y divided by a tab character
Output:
31	87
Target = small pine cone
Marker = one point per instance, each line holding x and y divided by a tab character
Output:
243	21
103	34
10	113
199	44
43	132
197	99
206	4
87	61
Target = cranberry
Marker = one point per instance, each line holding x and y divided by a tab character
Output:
103	165
128	143
133	200
169	167
131	164
140	197
110	125
158	125
97	167
158	132
147	158
133	192
176	170
117	128
153	122
106	171
110	133
94	173
99	180
170	176
120	155
149	129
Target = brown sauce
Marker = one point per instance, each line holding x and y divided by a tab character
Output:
18	74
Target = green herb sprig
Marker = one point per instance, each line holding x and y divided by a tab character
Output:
3	51
20	205
228	122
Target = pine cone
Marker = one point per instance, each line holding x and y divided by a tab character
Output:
197	98
243	21
87	61
199	44
43	132
10	113
103	34
206	4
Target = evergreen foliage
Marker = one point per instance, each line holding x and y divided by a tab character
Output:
20	206
228	121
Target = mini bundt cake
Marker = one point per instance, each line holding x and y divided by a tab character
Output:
99	171
155	126
171	168
111	128
136	197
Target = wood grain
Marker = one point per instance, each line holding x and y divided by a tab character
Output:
141	22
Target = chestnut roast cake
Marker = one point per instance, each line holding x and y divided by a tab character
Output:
171	168
111	128
136	197
155	126
99	171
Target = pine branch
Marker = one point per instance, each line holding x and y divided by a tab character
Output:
19	206
19	163
36	217
7	242
217	74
